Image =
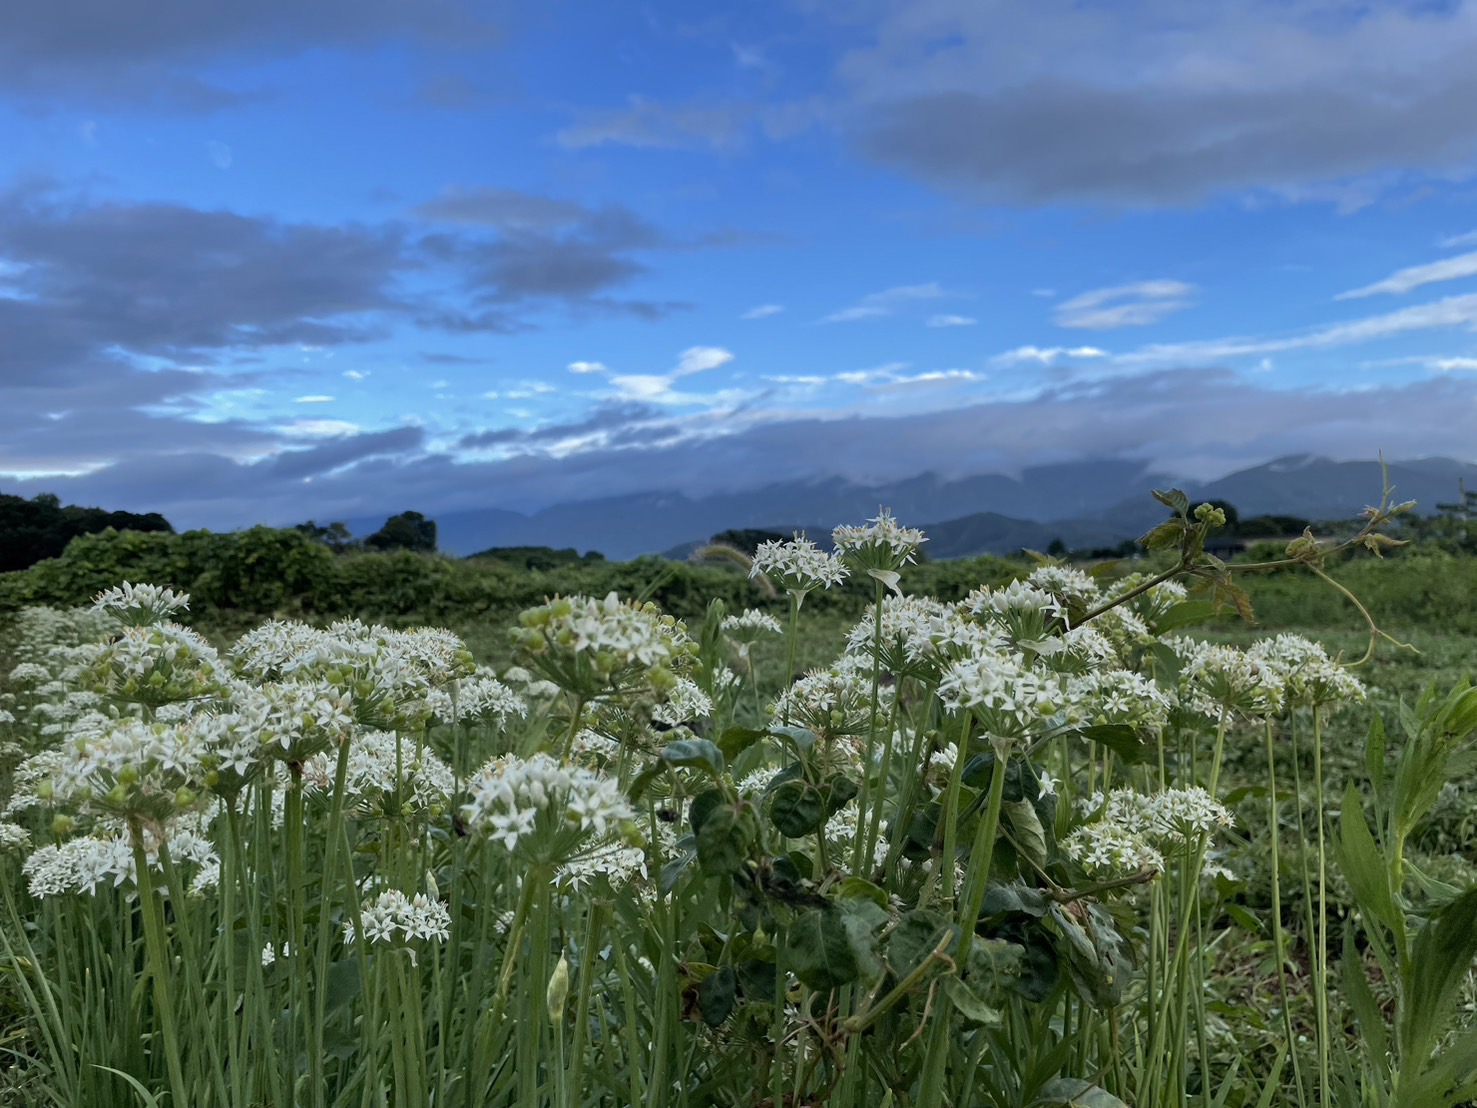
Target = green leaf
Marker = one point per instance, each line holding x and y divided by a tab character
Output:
1121	739
344	984
839	792
1374	1035
1364	866
1163	537
735	740
1184	614
1441	958
969	1005
862	918
723	841
1013	900
915	936
859	888
1173	499
697	753
1073	1092
818	950
717	994
1026	829
1374	753
702	805
797	808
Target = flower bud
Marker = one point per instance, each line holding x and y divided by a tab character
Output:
558	991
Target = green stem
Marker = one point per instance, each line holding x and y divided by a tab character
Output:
157	945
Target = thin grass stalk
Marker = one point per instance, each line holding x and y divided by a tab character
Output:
869	757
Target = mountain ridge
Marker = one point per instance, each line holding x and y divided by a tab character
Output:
1095	502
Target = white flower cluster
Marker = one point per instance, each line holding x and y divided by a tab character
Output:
154	664
587	645
797	566
684	702
480	698
1134	830
1117	696
1308	675
833	702
1216	678
137	605
113	766
383	762
510	794
81	864
1070	586
614	861
752	623
1005	694
920	635
882	544
389	674
393	916
13	837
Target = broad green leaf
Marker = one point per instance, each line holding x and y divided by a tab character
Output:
723	841
1013	899
1121	739
839	792
859	888
1184	614
702	805
717	994
697	753
915	936
735	740
1374	1035
797	808
818	950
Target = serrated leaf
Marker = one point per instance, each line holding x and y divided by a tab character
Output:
1363	865
1441	958
818	950
1163	537
696	753
1173	499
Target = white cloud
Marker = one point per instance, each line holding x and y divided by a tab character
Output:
309	427
1448	365
356	374
443	383
885	302
1132	305
697	359
1413	277
657	387
1467	238
1046	355
950	321
587	367
763	311
314	399
1452	311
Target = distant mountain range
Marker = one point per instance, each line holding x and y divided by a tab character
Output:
1093	503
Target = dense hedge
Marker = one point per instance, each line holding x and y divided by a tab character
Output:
264	572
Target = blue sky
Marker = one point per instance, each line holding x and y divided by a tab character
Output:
320	258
